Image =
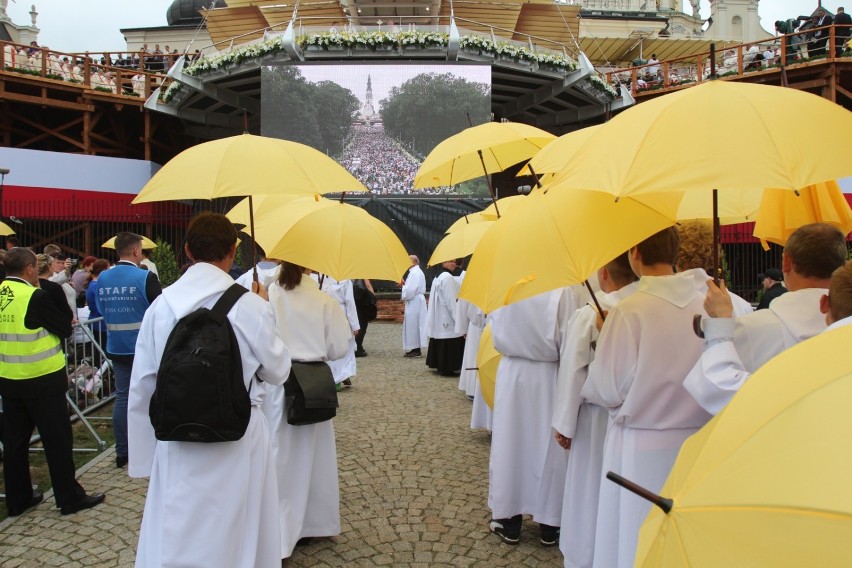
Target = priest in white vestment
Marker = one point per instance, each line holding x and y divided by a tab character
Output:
527	466
645	349
736	348
581	425
267	271
314	328
470	321
414	323
208	504
446	345
343	368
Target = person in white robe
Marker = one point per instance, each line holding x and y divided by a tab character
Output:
736	348
581	425
343	368
470	321
645	349
414	323
446	345
267	272
208	504
526	465
314	328
837	304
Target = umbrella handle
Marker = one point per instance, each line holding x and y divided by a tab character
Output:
696	326
661	502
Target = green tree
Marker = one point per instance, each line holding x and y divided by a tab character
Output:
339	107
164	257
431	107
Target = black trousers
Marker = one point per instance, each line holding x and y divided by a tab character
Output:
359	339
50	415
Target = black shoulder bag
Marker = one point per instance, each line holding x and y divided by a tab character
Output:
310	395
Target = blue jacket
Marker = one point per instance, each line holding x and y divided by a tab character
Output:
122	302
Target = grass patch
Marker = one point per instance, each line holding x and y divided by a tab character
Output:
101	421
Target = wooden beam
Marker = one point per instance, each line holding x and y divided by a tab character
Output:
48	132
44	101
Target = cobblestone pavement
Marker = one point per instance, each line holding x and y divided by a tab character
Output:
413	485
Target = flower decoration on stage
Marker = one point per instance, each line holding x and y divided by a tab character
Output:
487	46
368	39
236	56
600	84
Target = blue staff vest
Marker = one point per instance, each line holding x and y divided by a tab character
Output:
122	302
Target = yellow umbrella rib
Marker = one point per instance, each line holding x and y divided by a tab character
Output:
690	483
793	511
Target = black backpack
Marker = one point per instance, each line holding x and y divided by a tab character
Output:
365	303
200	395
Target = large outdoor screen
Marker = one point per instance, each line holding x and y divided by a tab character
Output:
378	120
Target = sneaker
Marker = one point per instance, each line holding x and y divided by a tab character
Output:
413	353
360	353
509	530
347	382
549	535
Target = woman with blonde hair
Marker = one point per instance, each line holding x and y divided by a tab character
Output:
314	328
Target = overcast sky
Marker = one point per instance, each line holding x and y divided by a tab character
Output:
81	25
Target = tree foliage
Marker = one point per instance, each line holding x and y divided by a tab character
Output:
317	114
431	107
164	257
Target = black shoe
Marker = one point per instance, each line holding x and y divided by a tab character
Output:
86	502
304	541
507	529
360	353
347	382
120	461
37	498
413	353
549	535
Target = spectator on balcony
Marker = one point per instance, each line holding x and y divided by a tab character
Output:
653	68
33	49
816	45
788	28
843	27
769	56
752	58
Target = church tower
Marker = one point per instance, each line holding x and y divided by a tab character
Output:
368	111
735	20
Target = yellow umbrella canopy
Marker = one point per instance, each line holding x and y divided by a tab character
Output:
719	135
146	243
782	212
5	230
330	237
553	157
505	205
487	360
502	144
247	165
557	239
468	219
766	482
459	243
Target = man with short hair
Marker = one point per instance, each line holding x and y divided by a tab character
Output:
124	294
61	272
208	504
414	319
645	349
33	383
843	25
837	303
12	242
773	286
734	348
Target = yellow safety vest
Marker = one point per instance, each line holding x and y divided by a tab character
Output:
24	353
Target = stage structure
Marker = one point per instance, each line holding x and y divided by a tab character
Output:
379	120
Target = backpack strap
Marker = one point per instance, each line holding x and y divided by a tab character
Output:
228	299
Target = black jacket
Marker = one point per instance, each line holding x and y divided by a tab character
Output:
774	291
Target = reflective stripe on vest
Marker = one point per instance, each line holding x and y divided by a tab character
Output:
24	353
123	326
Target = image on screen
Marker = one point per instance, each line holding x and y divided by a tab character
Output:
377	120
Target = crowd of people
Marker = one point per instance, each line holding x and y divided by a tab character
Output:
580	392
583	387
382	164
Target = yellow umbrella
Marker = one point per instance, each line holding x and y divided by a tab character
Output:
146	243
719	135
487	361
505	204
556	239
459	243
480	150
247	165
766	482
330	237
553	157
5	230
782	212
468	219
